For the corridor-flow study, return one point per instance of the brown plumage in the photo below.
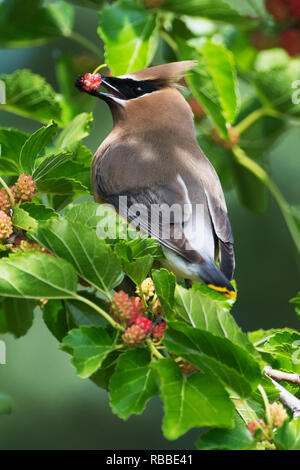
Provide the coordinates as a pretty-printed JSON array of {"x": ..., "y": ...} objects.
[{"x": 152, "y": 157}]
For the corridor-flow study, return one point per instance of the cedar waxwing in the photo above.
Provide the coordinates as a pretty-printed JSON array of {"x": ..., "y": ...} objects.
[{"x": 152, "y": 159}]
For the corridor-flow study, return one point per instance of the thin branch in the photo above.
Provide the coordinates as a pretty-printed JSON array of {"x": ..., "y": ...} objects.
[
  {"x": 101, "y": 311},
  {"x": 279, "y": 375},
  {"x": 266, "y": 403},
  {"x": 288, "y": 399}
]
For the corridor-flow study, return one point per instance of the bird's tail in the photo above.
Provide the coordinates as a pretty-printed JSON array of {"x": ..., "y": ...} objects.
[{"x": 215, "y": 279}]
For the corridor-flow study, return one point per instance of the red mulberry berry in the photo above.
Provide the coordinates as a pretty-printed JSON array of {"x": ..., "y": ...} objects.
[
  {"x": 5, "y": 202},
  {"x": 24, "y": 188},
  {"x": 91, "y": 81},
  {"x": 6, "y": 228},
  {"x": 121, "y": 307},
  {"x": 133, "y": 335},
  {"x": 144, "y": 323},
  {"x": 278, "y": 9},
  {"x": 159, "y": 330},
  {"x": 138, "y": 308},
  {"x": 253, "y": 427},
  {"x": 290, "y": 41}
]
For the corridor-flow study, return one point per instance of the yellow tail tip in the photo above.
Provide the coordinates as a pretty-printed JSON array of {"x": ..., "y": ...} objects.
[{"x": 230, "y": 294}]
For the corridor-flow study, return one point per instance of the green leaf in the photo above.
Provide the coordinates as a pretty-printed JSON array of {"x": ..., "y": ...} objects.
[
  {"x": 25, "y": 24},
  {"x": 221, "y": 67},
  {"x": 199, "y": 400},
  {"x": 38, "y": 211},
  {"x": 34, "y": 145},
  {"x": 287, "y": 437},
  {"x": 102, "y": 376},
  {"x": 132, "y": 383},
  {"x": 89, "y": 346},
  {"x": 16, "y": 316},
  {"x": 238, "y": 438},
  {"x": 86, "y": 213},
  {"x": 50, "y": 163},
  {"x": 92, "y": 258},
  {"x": 8, "y": 167},
  {"x": 29, "y": 95},
  {"x": 138, "y": 248},
  {"x": 37, "y": 275},
  {"x": 206, "y": 309},
  {"x": 130, "y": 36},
  {"x": 11, "y": 141},
  {"x": 75, "y": 131},
  {"x": 217, "y": 10},
  {"x": 88, "y": 3},
  {"x": 61, "y": 186},
  {"x": 54, "y": 315},
  {"x": 203, "y": 87},
  {"x": 165, "y": 283},
  {"x": 213, "y": 354},
  {"x": 296, "y": 302},
  {"x": 274, "y": 76},
  {"x": 5, "y": 404},
  {"x": 81, "y": 314},
  {"x": 284, "y": 346},
  {"x": 22, "y": 220},
  {"x": 139, "y": 269}
]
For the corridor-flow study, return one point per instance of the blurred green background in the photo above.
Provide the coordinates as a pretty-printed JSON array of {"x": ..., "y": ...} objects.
[{"x": 53, "y": 408}]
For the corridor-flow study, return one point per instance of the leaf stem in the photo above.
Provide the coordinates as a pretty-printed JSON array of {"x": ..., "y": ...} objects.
[
  {"x": 101, "y": 311},
  {"x": 250, "y": 119},
  {"x": 12, "y": 199},
  {"x": 153, "y": 349},
  {"x": 267, "y": 405},
  {"x": 169, "y": 40},
  {"x": 83, "y": 41},
  {"x": 263, "y": 176}
]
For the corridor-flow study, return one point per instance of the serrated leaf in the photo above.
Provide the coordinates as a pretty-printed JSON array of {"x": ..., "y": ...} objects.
[
  {"x": 29, "y": 95},
  {"x": 75, "y": 131},
  {"x": 287, "y": 437},
  {"x": 206, "y": 309},
  {"x": 139, "y": 269},
  {"x": 80, "y": 314},
  {"x": 284, "y": 347},
  {"x": 213, "y": 354},
  {"x": 129, "y": 35},
  {"x": 61, "y": 186},
  {"x": 132, "y": 383},
  {"x": 221, "y": 67},
  {"x": 37, "y": 275},
  {"x": 92, "y": 258},
  {"x": 102, "y": 376},
  {"x": 89, "y": 346},
  {"x": 165, "y": 283},
  {"x": 38, "y": 211},
  {"x": 49, "y": 164},
  {"x": 54, "y": 315},
  {"x": 34, "y": 145},
  {"x": 22, "y": 220},
  {"x": 238, "y": 438},
  {"x": 16, "y": 316},
  {"x": 188, "y": 401},
  {"x": 11, "y": 141},
  {"x": 202, "y": 85}
]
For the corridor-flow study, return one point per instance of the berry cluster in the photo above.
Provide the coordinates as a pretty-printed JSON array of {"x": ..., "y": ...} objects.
[
  {"x": 287, "y": 11},
  {"x": 277, "y": 414},
  {"x": 22, "y": 191},
  {"x": 131, "y": 313}
]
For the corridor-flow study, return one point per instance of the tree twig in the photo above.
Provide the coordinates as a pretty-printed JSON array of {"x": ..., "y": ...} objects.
[
  {"x": 287, "y": 398},
  {"x": 279, "y": 375}
]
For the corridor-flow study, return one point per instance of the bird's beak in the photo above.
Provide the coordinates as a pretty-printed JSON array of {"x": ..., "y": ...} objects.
[{"x": 114, "y": 87}]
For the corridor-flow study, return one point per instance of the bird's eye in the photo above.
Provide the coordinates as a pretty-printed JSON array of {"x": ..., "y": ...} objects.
[{"x": 139, "y": 88}]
